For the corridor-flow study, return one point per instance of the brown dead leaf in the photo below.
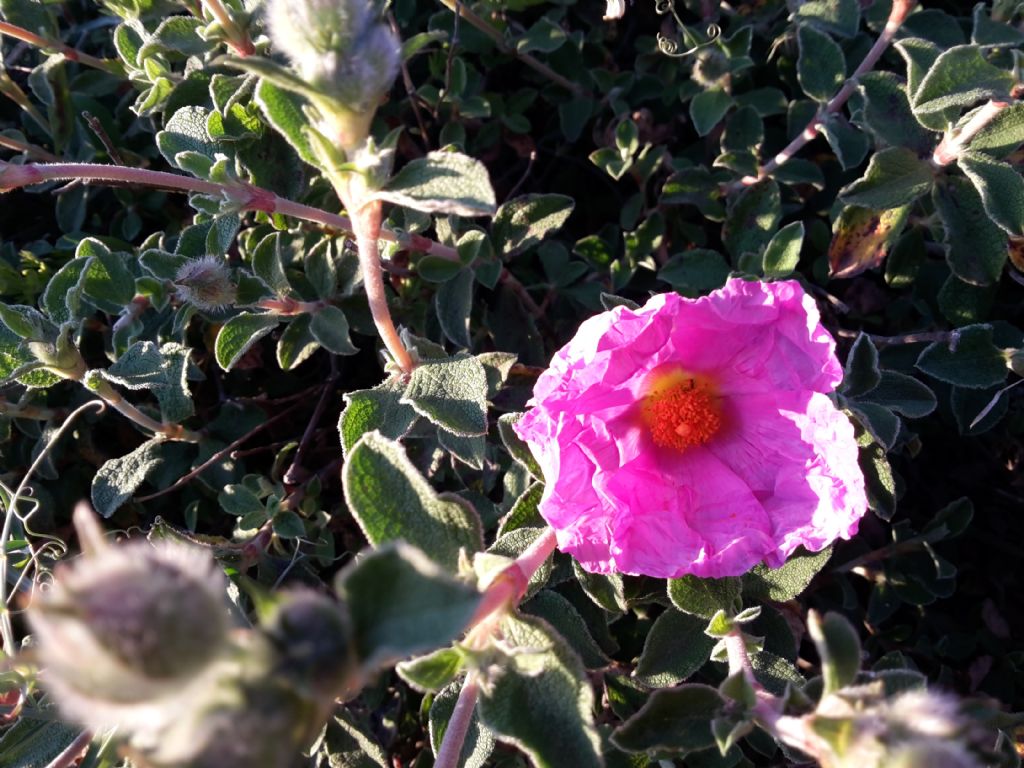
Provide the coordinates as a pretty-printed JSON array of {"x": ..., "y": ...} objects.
[{"x": 861, "y": 238}]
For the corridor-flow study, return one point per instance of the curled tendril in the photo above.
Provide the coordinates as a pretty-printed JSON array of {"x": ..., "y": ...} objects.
[{"x": 670, "y": 47}]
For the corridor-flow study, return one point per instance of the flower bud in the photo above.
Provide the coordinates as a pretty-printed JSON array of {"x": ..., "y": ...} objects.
[
  {"x": 126, "y": 627},
  {"x": 312, "y": 636},
  {"x": 344, "y": 50},
  {"x": 205, "y": 283}
]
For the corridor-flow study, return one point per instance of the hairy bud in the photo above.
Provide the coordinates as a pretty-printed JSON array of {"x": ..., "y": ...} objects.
[
  {"x": 344, "y": 50},
  {"x": 205, "y": 283},
  {"x": 125, "y": 632},
  {"x": 312, "y": 636}
]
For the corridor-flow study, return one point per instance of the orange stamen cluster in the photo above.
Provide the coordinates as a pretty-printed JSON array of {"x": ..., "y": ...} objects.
[{"x": 682, "y": 413}]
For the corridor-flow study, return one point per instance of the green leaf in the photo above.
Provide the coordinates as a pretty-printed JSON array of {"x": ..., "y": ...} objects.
[
  {"x": 433, "y": 671},
  {"x": 540, "y": 699},
  {"x": 391, "y": 500},
  {"x": 239, "y": 333},
  {"x": 838, "y": 647},
  {"x": 526, "y": 220},
  {"x": 887, "y": 113},
  {"x": 186, "y": 131},
  {"x": 284, "y": 111},
  {"x": 329, "y": 327},
  {"x": 959, "y": 78},
  {"x": 119, "y": 478},
  {"x": 705, "y": 597},
  {"x": 450, "y": 392},
  {"x": 1003, "y": 134},
  {"x": 850, "y": 144},
  {"x": 442, "y": 182},
  {"x": 296, "y": 344},
  {"x": 544, "y": 36},
  {"x": 177, "y": 34},
  {"x": 674, "y": 720},
  {"x": 708, "y": 108},
  {"x": 675, "y": 648},
  {"x": 516, "y": 446},
  {"x": 1001, "y": 189},
  {"x": 453, "y": 303},
  {"x": 969, "y": 359},
  {"x": 62, "y": 299},
  {"x": 775, "y": 673},
  {"x": 32, "y": 742},
  {"x": 895, "y": 177},
  {"x": 696, "y": 271},
  {"x": 605, "y": 590},
  {"x": 783, "y": 252},
  {"x": 786, "y": 582},
  {"x": 401, "y": 604},
  {"x": 267, "y": 265},
  {"x": 567, "y": 622},
  {"x": 377, "y": 409},
  {"x": 347, "y": 745},
  {"x": 27, "y": 322},
  {"x": 479, "y": 741},
  {"x": 861, "y": 373},
  {"x": 903, "y": 394},
  {"x": 752, "y": 219},
  {"x": 821, "y": 66},
  {"x": 840, "y": 17}
]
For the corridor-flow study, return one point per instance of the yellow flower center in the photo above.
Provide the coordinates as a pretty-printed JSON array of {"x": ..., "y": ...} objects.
[{"x": 681, "y": 411}]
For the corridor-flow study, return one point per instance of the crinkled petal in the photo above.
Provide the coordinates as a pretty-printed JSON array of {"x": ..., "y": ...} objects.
[{"x": 782, "y": 471}]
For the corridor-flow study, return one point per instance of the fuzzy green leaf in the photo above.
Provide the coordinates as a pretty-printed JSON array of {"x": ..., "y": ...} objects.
[
  {"x": 442, "y": 182},
  {"x": 391, "y": 500},
  {"x": 450, "y": 392},
  {"x": 239, "y": 333}
]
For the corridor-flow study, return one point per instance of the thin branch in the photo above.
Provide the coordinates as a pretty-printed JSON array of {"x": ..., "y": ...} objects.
[
  {"x": 461, "y": 10},
  {"x": 221, "y": 453},
  {"x": 458, "y": 724},
  {"x": 74, "y": 750},
  {"x": 510, "y": 585},
  {"x": 293, "y": 475},
  {"x": 951, "y": 146},
  {"x": 69, "y": 53},
  {"x": 900, "y": 10},
  {"x": 36, "y": 153},
  {"x": 249, "y": 197}
]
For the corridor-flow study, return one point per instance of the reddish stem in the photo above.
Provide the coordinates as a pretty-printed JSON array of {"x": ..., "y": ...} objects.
[
  {"x": 69, "y": 53},
  {"x": 900, "y": 10}
]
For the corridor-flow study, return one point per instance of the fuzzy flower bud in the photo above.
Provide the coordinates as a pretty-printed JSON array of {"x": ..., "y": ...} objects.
[
  {"x": 205, "y": 283},
  {"x": 340, "y": 47},
  {"x": 125, "y": 631},
  {"x": 312, "y": 635}
]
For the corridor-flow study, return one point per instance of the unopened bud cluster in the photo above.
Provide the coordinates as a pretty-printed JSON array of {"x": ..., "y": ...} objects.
[{"x": 138, "y": 637}]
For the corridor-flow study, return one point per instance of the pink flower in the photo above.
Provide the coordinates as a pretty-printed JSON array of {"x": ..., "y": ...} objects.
[{"x": 696, "y": 436}]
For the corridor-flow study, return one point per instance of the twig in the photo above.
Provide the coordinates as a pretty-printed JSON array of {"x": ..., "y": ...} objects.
[
  {"x": 37, "y": 153},
  {"x": 101, "y": 133},
  {"x": 74, "y": 751},
  {"x": 951, "y": 146},
  {"x": 221, "y": 454},
  {"x": 899, "y": 13},
  {"x": 458, "y": 724},
  {"x": 510, "y": 585},
  {"x": 461, "y": 10},
  {"x": 247, "y": 196},
  {"x": 292, "y": 474},
  {"x": 69, "y": 53},
  {"x": 952, "y": 337},
  {"x": 510, "y": 281},
  {"x": 410, "y": 89}
]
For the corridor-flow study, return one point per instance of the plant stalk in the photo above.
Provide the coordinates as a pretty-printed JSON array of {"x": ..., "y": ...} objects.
[
  {"x": 458, "y": 724},
  {"x": 69, "y": 53}
]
